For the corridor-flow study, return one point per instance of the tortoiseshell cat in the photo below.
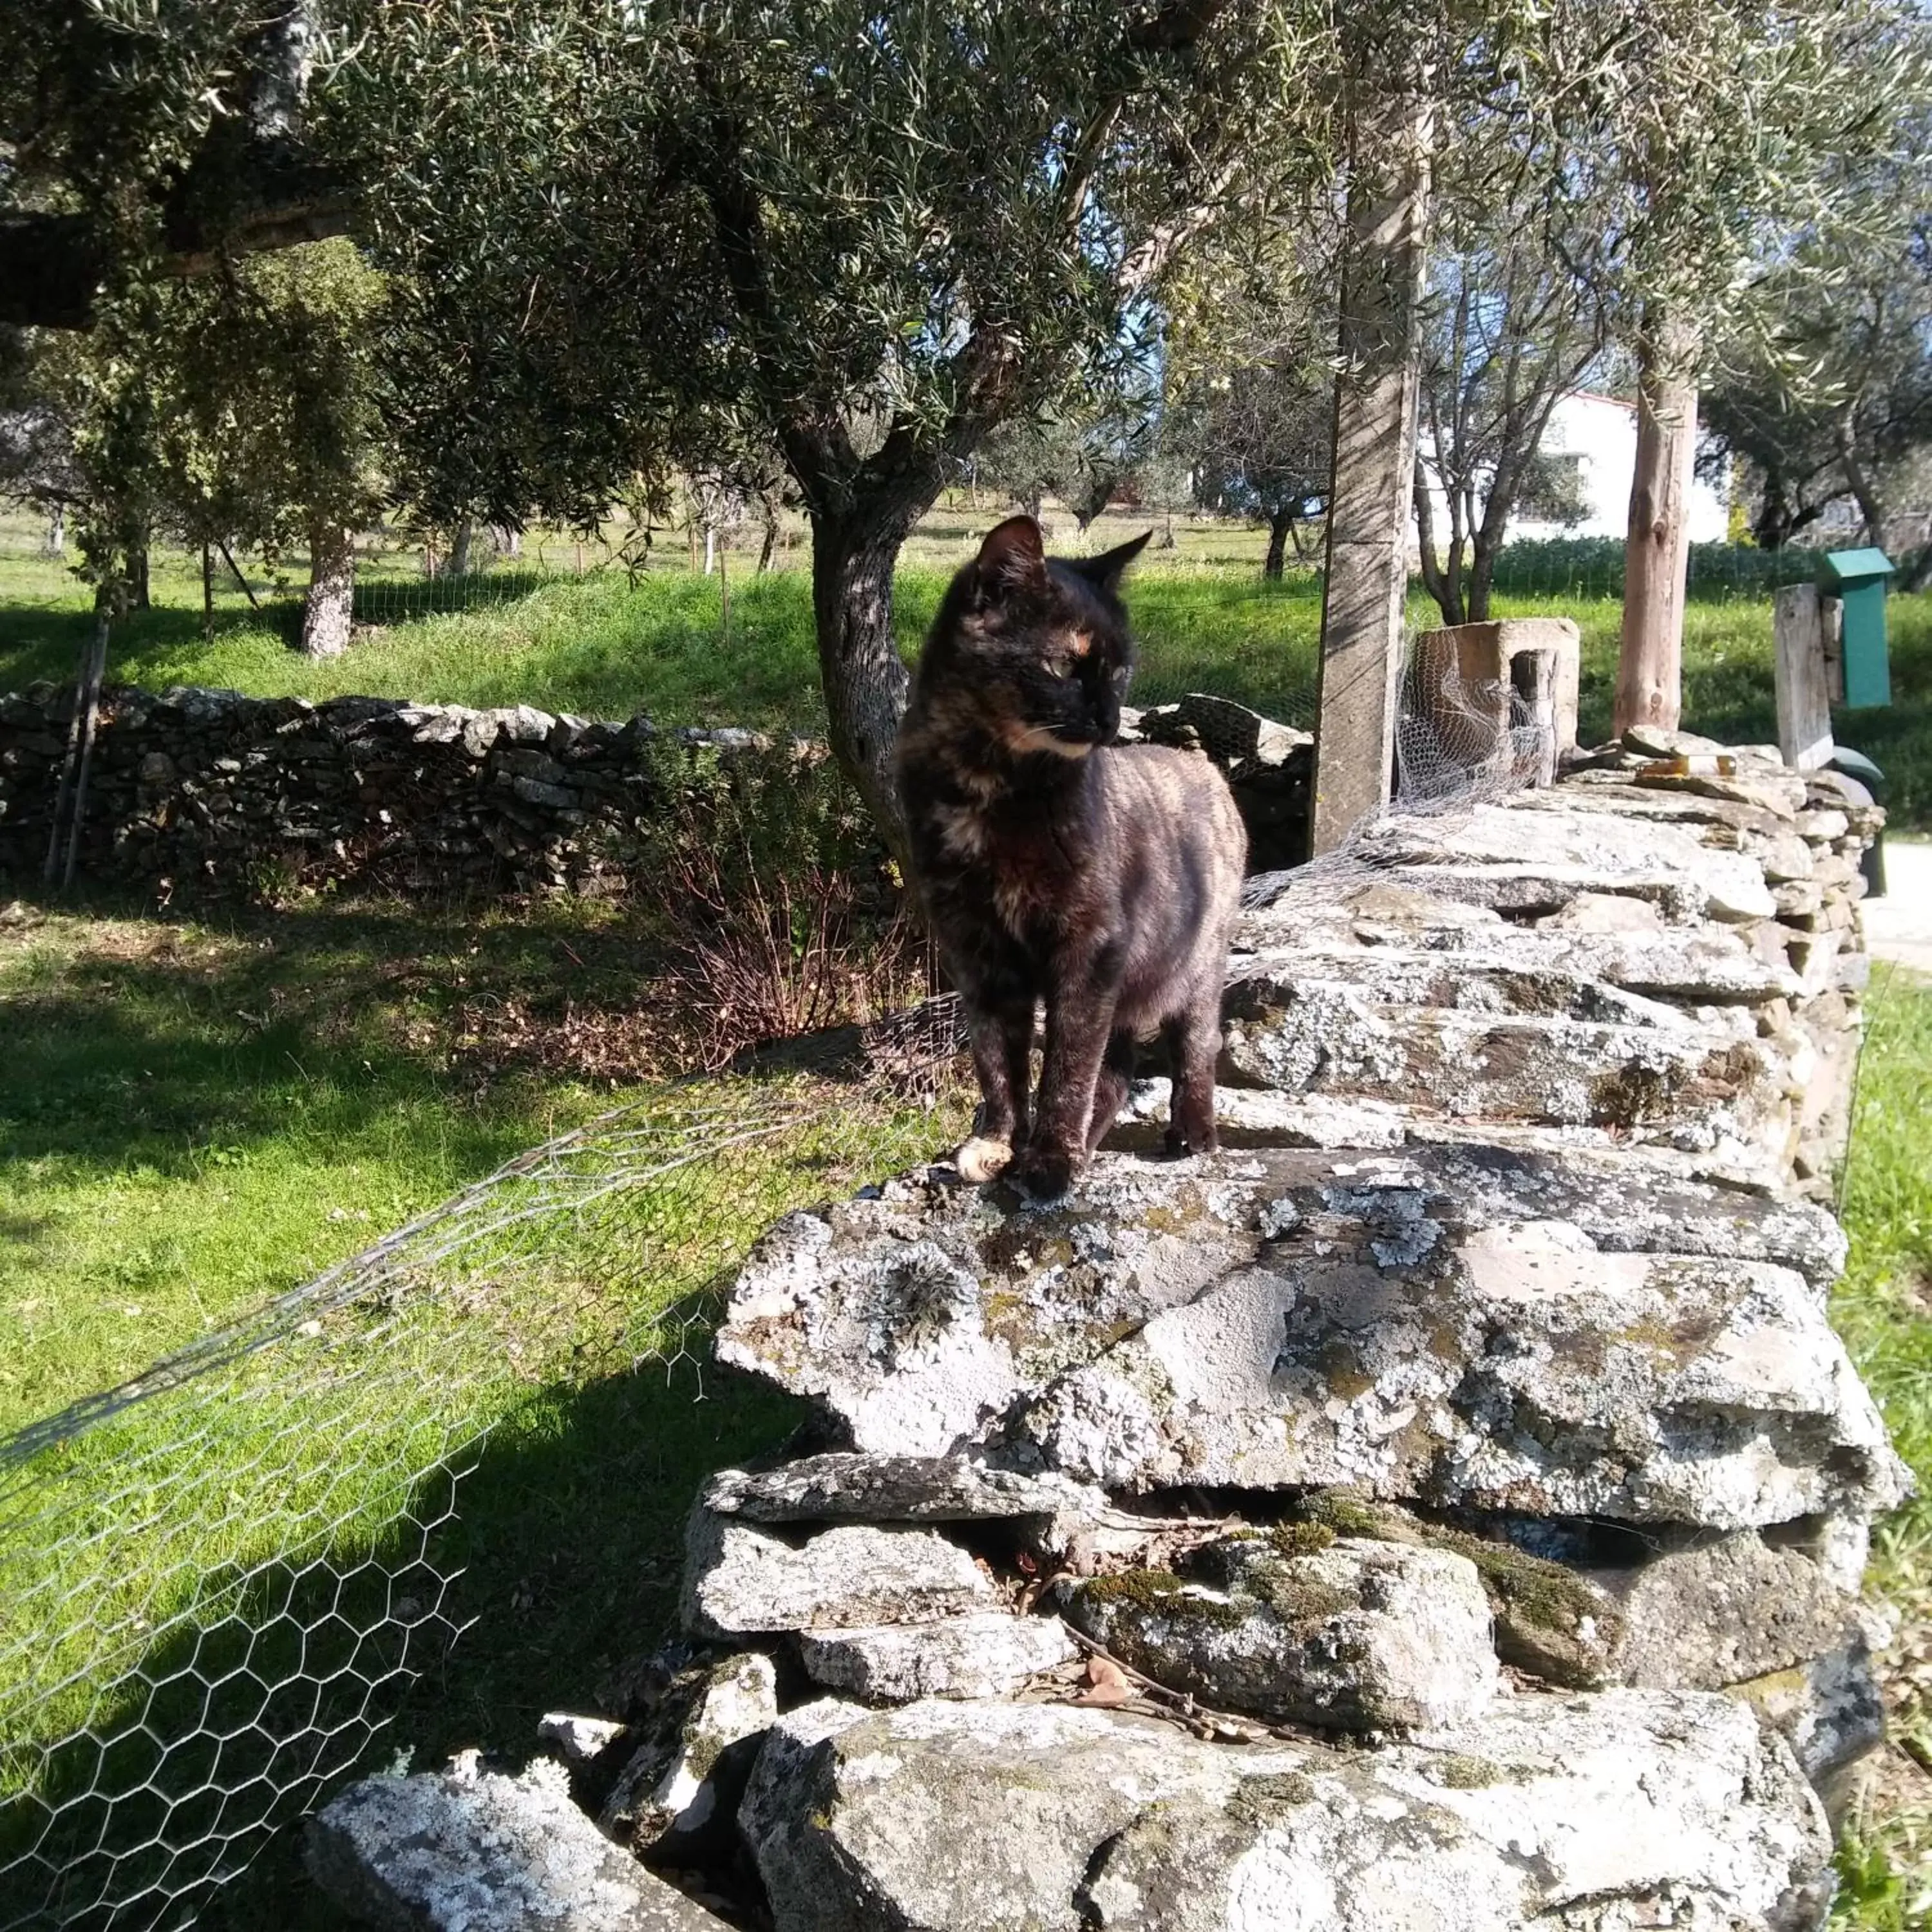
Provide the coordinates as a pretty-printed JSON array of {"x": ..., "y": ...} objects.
[{"x": 1058, "y": 868}]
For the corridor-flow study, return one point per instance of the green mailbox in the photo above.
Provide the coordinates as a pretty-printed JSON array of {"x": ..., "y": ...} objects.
[{"x": 1857, "y": 578}]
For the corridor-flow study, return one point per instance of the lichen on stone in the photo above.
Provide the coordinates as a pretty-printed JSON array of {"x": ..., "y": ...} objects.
[
  {"x": 1257, "y": 1801},
  {"x": 1462, "y": 1772}
]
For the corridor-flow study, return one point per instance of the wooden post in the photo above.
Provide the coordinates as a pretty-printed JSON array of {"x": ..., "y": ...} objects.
[
  {"x": 207, "y": 591},
  {"x": 71, "y": 800},
  {"x": 1532, "y": 676},
  {"x": 1804, "y": 698},
  {"x": 1367, "y": 576},
  {"x": 1657, "y": 552}
]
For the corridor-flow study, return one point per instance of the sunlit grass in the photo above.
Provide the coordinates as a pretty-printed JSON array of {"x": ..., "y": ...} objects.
[{"x": 1883, "y": 1308}]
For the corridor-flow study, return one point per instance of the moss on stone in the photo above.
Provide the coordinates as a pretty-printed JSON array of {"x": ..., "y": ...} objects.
[
  {"x": 1300, "y": 1601},
  {"x": 1526, "y": 1590},
  {"x": 1341, "y": 1369},
  {"x": 1161, "y": 1593},
  {"x": 1531, "y": 1588},
  {"x": 1462, "y": 1773},
  {"x": 1186, "y": 1210},
  {"x": 1345, "y": 1512},
  {"x": 1537, "y": 993},
  {"x": 1299, "y": 1539},
  {"x": 1629, "y": 1097}
]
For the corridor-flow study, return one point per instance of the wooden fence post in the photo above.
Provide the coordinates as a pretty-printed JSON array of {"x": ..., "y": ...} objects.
[
  {"x": 1804, "y": 697},
  {"x": 1367, "y": 576}
]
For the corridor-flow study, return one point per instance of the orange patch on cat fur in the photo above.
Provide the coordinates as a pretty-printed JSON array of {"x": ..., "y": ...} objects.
[{"x": 1017, "y": 735}]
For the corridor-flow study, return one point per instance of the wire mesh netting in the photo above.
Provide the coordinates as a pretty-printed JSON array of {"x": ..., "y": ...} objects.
[{"x": 221, "y": 1584}]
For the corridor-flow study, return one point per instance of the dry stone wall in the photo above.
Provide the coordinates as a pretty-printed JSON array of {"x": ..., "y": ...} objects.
[
  {"x": 208, "y": 791},
  {"x": 213, "y": 792},
  {"x": 1445, "y": 1506}
]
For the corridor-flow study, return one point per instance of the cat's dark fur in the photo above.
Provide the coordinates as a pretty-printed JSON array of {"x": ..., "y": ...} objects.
[{"x": 1059, "y": 868}]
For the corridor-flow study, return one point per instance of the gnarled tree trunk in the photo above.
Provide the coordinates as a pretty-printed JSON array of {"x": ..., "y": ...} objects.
[
  {"x": 1280, "y": 525},
  {"x": 865, "y": 678},
  {"x": 328, "y": 611}
]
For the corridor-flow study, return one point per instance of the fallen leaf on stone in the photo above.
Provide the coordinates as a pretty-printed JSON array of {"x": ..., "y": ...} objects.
[{"x": 1107, "y": 1684}]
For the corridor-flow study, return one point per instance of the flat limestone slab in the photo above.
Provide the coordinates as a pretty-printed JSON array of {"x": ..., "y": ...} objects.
[
  {"x": 1694, "y": 1087},
  {"x": 1731, "y": 885},
  {"x": 1705, "y": 965},
  {"x": 1517, "y": 1369},
  {"x": 739, "y": 1580},
  {"x": 1461, "y": 1325},
  {"x": 1598, "y": 1814},
  {"x": 1610, "y": 978},
  {"x": 848, "y": 1487},
  {"x": 989, "y": 1654}
]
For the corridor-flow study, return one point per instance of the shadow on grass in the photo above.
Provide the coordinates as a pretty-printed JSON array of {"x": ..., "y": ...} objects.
[
  {"x": 181, "y": 1039},
  {"x": 518, "y": 1579}
]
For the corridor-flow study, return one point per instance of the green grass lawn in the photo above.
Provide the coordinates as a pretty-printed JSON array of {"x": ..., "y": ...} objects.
[{"x": 197, "y": 1113}]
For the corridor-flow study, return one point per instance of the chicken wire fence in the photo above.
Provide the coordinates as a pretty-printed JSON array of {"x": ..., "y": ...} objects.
[{"x": 220, "y": 1583}]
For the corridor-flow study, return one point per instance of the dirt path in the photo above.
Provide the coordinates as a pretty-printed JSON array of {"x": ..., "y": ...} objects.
[{"x": 1898, "y": 927}]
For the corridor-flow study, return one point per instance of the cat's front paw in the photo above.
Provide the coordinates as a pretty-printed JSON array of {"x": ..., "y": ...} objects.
[
  {"x": 1044, "y": 1172},
  {"x": 981, "y": 1160}
]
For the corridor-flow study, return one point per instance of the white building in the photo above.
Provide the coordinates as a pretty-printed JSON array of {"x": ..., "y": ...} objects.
[{"x": 1598, "y": 434}]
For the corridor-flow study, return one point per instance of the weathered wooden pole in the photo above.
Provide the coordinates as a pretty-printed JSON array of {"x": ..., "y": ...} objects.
[
  {"x": 1804, "y": 691},
  {"x": 1657, "y": 549},
  {"x": 1390, "y": 131}
]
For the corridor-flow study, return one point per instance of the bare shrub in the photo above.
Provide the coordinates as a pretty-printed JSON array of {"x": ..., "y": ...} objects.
[{"x": 783, "y": 915}]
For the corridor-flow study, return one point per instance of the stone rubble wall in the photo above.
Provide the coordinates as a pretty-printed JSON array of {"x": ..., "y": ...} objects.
[
  {"x": 1447, "y": 1505},
  {"x": 216, "y": 792},
  {"x": 1632, "y": 957}
]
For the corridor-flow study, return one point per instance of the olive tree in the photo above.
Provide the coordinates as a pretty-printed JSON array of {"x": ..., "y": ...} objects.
[
  {"x": 1261, "y": 430},
  {"x": 1510, "y": 328},
  {"x": 1699, "y": 140},
  {"x": 146, "y": 138},
  {"x": 238, "y": 411},
  {"x": 1829, "y": 394},
  {"x": 873, "y": 234}
]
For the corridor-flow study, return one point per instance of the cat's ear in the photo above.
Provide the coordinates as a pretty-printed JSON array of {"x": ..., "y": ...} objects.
[
  {"x": 1106, "y": 569},
  {"x": 1013, "y": 553}
]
